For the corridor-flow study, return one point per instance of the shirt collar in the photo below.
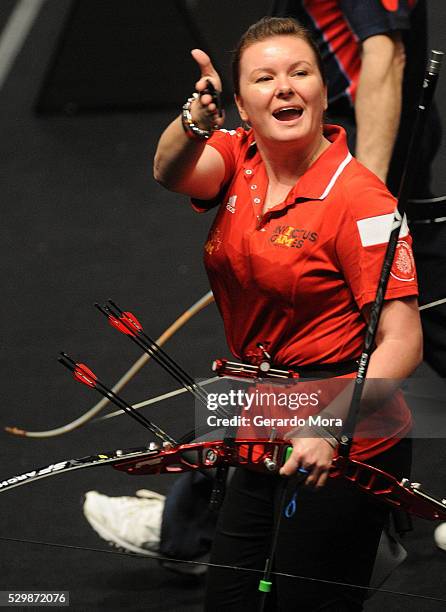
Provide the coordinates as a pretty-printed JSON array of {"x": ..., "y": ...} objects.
[{"x": 322, "y": 175}]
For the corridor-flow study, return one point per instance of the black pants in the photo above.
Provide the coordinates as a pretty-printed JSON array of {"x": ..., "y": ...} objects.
[{"x": 332, "y": 536}]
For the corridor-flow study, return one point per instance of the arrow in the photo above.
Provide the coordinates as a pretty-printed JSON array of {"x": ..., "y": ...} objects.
[
  {"x": 84, "y": 375},
  {"x": 128, "y": 324}
]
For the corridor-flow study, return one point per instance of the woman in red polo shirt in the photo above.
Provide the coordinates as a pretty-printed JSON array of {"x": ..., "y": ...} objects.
[{"x": 293, "y": 258}]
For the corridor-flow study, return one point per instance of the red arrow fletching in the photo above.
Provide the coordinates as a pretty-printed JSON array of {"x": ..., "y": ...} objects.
[
  {"x": 84, "y": 375},
  {"x": 130, "y": 321}
]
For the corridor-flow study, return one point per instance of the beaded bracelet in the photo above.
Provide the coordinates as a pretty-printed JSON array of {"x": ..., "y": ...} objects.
[{"x": 192, "y": 130}]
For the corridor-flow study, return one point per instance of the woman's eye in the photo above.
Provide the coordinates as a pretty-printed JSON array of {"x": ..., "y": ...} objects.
[
  {"x": 265, "y": 77},
  {"x": 300, "y": 73}
]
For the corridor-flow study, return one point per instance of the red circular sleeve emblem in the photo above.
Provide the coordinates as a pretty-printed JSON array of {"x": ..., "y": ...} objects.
[{"x": 403, "y": 267}]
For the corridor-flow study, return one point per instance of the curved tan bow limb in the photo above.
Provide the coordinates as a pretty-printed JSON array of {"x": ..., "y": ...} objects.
[
  {"x": 207, "y": 299},
  {"x": 432, "y": 304}
]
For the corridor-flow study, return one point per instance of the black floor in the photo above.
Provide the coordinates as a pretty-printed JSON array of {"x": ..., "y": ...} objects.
[{"x": 84, "y": 221}]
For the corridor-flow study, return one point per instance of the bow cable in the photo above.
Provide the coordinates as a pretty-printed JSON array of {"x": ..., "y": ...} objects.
[{"x": 220, "y": 565}]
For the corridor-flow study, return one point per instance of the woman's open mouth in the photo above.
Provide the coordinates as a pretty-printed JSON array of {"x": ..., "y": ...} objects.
[{"x": 288, "y": 113}]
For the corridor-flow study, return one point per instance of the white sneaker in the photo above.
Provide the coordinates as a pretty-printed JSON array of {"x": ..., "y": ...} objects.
[
  {"x": 129, "y": 523},
  {"x": 440, "y": 536}
]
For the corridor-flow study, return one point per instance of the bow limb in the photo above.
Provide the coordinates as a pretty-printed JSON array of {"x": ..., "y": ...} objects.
[
  {"x": 402, "y": 495},
  {"x": 193, "y": 310},
  {"x": 432, "y": 304},
  {"x": 152, "y": 459},
  {"x": 259, "y": 455}
]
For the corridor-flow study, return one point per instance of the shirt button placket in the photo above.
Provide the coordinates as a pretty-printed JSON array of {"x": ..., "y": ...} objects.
[
  {"x": 256, "y": 200},
  {"x": 249, "y": 173}
]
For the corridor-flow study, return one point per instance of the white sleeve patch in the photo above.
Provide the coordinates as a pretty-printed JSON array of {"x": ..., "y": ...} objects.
[
  {"x": 376, "y": 230},
  {"x": 230, "y": 132}
]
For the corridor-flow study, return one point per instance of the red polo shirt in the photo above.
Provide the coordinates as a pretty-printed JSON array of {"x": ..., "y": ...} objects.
[{"x": 297, "y": 277}]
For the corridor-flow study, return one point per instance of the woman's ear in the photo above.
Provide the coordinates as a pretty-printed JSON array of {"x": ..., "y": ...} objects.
[
  {"x": 241, "y": 111},
  {"x": 325, "y": 98}
]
